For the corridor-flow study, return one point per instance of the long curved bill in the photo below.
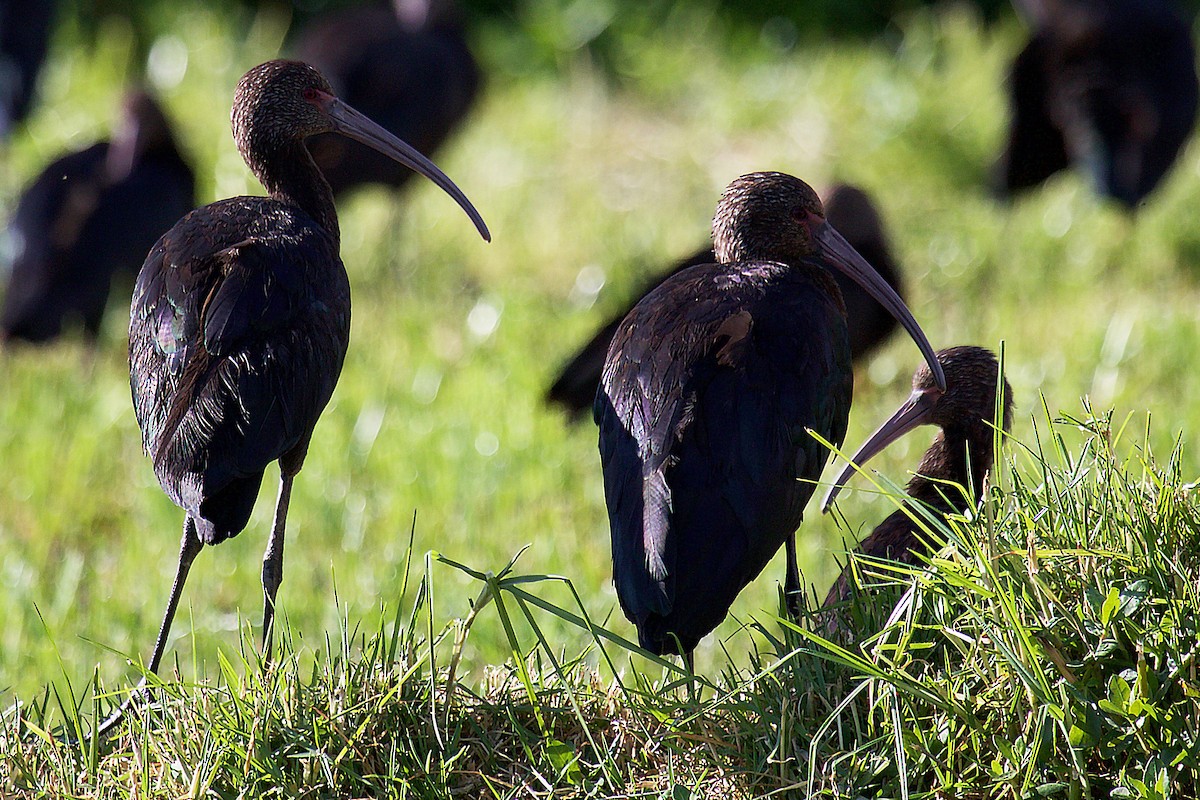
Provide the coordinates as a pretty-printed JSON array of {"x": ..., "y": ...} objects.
[
  {"x": 916, "y": 411},
  {"x": 361, "y": 128},
  {"x": 847, "y": 259}
]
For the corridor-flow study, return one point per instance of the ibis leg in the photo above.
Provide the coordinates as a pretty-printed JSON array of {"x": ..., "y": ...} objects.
[
  {"x": 791, "y": 582},
  {"x": 272, "y": 570},
  {"x": 189, "y": 546}
]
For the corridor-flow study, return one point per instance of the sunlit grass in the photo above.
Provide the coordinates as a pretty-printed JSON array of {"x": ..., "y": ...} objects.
[{"x": 1047, "y": 649}]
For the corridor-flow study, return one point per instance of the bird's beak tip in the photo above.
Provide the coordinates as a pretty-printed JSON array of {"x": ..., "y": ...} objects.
[{"x": 831, "y": 495}]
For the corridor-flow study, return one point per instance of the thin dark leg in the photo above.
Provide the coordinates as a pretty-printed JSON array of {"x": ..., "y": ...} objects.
[
  {"x": 791, "y": 582},
  {"x": 272, "y": 570},
  {"x": 189, "y": 546}
]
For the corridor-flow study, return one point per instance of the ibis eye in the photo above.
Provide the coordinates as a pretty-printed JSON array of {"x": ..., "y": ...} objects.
[
  {"x": 310, "y": 94},
  {"x": 805, "y": 216}
]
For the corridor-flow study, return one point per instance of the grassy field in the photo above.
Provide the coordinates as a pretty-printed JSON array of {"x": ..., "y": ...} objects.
[{"x": 579, "y": 171}]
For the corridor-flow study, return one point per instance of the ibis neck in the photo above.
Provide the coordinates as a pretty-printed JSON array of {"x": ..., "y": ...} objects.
[
  {"x": 954, "y": 457},
  {"x": 291, "y": 176}
]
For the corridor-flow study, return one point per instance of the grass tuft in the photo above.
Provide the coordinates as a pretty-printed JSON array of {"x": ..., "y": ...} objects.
[{"x": 1047, "y": 648}]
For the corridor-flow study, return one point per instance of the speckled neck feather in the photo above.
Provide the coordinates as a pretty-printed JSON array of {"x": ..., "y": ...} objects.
[
  {"x": 963, "y": 450},
  {"x": 269, "y": 127}
]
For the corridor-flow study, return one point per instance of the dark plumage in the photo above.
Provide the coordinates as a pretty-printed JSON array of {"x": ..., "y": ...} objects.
[
  {"x": 851, "y": 212},
  {"x": 89, "y": 217},
  {"x": 408, "y": 68},
  {"x": 1107, "y": 85},
  {"x": 25, "y": 27},
  {"x": 241, "y": 318},
  {"x": 710, "y": 387},
  {"x": 962, "y": 453}
]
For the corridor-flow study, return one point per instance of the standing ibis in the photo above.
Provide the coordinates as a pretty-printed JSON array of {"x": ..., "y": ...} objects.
[
  {"x": 407, "y": 67},
  {"x": 241, "y": 318},
  {"x": 90, "y": 217},
  {"x": 711, "y": 387},
  {"x": 951, "y": 473},
  {"x": 1107, "y": 85},
  {"x": 851, "y": 212}
]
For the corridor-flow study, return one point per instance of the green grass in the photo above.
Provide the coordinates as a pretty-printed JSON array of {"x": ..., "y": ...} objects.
[
  {"x": 1048, "y": 649},
  {"x": 617, "y": 170}
]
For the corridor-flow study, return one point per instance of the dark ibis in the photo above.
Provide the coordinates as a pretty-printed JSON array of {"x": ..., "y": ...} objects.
[
  {"x": 711, "y": 387},
  {"x": 408, "y": 67},
  {"x": 850, "y": 211},
  {"x": 1106, "y": 85},
  {"x": 89, "y": 218},
  {"x": 241, "y": 318},
  {"x": 951, "y": 473},
  {"x": 25, "y": 27}
]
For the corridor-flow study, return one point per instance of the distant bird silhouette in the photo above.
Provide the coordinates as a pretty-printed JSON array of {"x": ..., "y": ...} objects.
[
  {"x": 851, "y": 212},
  {"x": 25, "y": 27},
  {"x": 240, "y": 322},
  {"x": 1107, "y": 85},
  {"x": 711, "y": 386},
  {"x": 408, "y": 67},
  {"x": 89, "y": 217},
  {"x": 962, "y": 453}
]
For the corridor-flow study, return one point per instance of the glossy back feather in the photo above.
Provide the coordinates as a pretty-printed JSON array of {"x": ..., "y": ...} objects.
[
  {"x": 715, "y": 417},
  {"x": 238, "y": 332}
]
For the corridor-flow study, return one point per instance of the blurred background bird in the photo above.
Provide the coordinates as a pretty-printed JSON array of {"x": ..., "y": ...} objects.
[
  {"x": 1108, "y": 86},
  {"x": 407, "y": 66},
  {"x": 25, "y": 27},
  {"x": 88, "y": 219}
]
